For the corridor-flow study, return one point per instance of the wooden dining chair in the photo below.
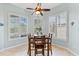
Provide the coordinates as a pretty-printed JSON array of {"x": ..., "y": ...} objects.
[
  {"x": 39, "y": 44},
  {"x": 30, "y": 44},
  {"x": 28, "y": 52},
  {"x": 50, "y": 43}
]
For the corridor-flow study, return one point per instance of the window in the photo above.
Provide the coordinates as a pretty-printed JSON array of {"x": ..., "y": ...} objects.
[{"x": 17, "y": 26}]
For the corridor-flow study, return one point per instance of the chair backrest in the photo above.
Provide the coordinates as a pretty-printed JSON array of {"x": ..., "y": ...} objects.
[
  {"x": 50, "y": 35},
  {"x": 39, "y": 40}
]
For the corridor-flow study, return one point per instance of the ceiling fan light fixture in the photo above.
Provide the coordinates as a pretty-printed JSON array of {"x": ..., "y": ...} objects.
[
  {"x": 37, "y": 12},
  {"x": 38, "y": 9}
]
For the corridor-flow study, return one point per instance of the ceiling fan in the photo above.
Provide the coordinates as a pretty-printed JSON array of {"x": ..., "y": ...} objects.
[{"x": 38, "y": 9}]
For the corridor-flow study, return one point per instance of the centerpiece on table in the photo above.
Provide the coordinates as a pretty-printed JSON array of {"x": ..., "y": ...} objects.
[{"x": 38, "y": 31}]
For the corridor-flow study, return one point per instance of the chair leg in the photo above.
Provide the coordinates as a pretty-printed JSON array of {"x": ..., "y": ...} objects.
[
  {"x": 35, "y": 51},
  {"x": 43, "y": 51},
  {"x": 51, "y": 50}
]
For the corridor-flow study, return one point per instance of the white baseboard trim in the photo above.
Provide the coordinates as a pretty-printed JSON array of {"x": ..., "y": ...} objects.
[
  {"x": 12, "y": 47},
  {"x": 75, "y": 54}
]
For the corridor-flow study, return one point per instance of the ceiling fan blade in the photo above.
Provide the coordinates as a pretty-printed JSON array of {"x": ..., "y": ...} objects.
[
  {"x": 30, "y": 8},
  {"x": 32, "y": 13},
  {"x": 41, "y": 13},
  {"x": 45, "y": 9}
]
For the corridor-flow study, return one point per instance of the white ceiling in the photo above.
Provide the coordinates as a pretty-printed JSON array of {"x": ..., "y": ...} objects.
[{"x": 32, "y": 5}]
